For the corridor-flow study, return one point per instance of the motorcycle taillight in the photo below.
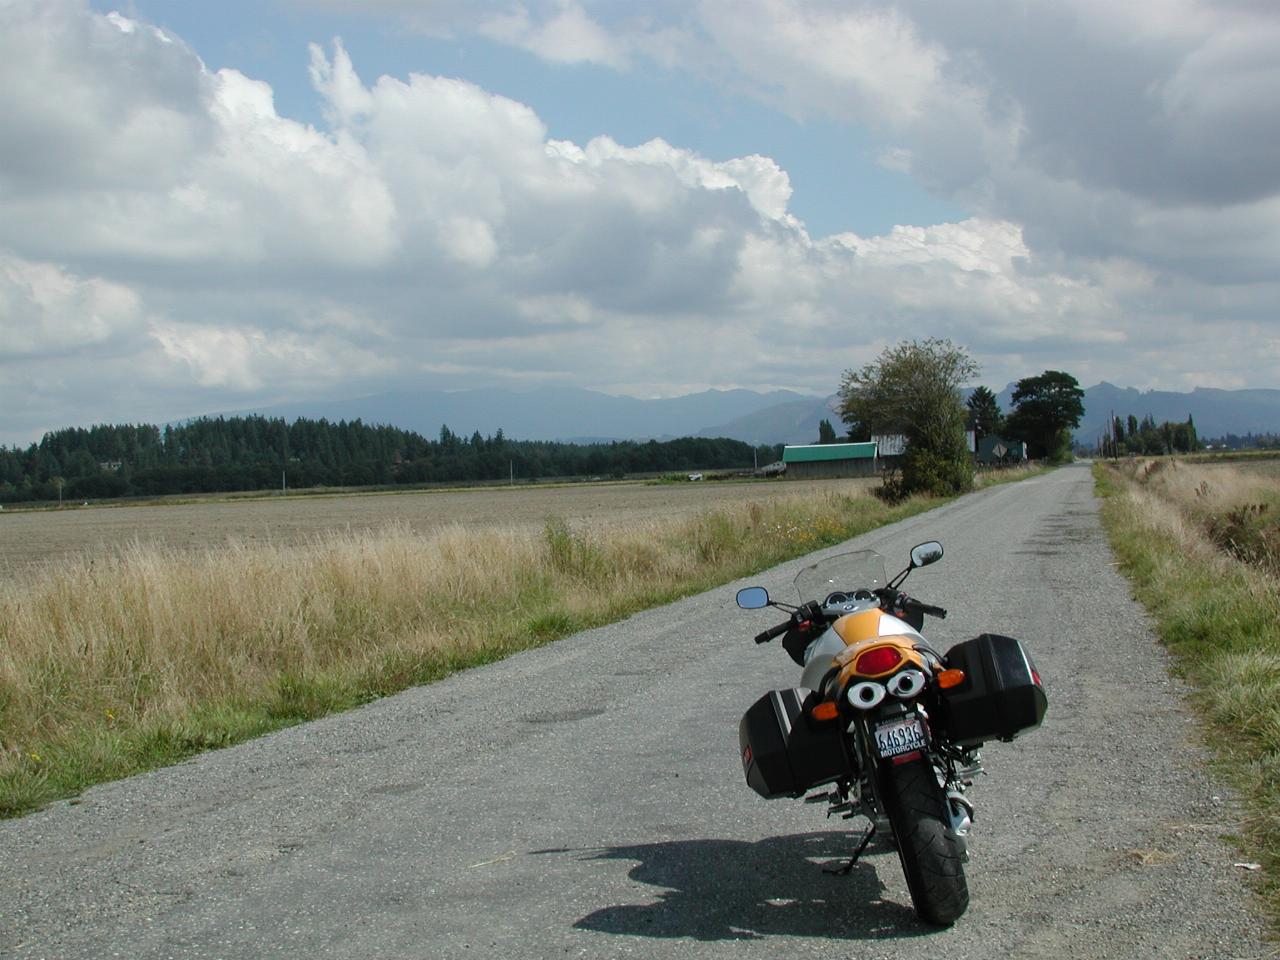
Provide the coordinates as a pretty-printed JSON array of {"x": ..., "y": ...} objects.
[{"x": 877, "y": 661}]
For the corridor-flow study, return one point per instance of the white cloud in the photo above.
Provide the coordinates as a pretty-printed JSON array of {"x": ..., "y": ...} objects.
[
  {"x": 864, "y": 61},
  {"x": 245, "y": 360},
  {"x": 567, "y": 36},
  {"x": 204, "y": 252},
  {"x": 1095, "y": 125},
  {"x": 46, "y": 311}
]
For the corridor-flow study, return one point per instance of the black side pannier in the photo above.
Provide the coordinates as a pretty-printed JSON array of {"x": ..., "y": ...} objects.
[
  {"x": 1001, "y": 695},
  {"x": 784, "y": 752}
]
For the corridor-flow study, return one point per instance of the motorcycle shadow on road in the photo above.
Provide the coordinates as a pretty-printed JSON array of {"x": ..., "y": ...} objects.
[{"x": 740, "y": 890}]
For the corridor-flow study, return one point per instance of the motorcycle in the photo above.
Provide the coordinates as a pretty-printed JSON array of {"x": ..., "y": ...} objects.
[{"x": 890, "y": 728}]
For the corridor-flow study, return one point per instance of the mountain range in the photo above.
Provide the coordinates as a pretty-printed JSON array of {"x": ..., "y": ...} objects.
[
  {"x": 567, "y": 414},
  {"x": 780, "y": 416},
  {"x": 1216, "y": 412}
]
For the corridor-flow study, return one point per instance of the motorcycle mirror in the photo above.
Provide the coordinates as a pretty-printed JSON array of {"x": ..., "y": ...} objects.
[
  {"x": 753, "y": 598},
  {"x": 923, "y": 554}
]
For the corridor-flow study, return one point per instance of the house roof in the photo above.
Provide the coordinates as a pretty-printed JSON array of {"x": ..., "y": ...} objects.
[{"x": 819, "y": 452}]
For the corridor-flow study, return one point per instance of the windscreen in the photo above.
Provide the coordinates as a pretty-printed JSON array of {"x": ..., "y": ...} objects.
[{"x": 845, "y": 572}]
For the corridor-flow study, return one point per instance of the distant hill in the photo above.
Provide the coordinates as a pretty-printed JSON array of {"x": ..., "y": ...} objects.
[
  {"x": 795, "y": 421},
  {"x": 1216, "y": 412},
  {"x": 547, "y": 413},
  {"x": 781, "y": 416}
]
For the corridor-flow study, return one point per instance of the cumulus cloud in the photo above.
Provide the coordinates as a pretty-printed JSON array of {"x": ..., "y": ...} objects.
[
  {"x": 1132, "y": 148},
  {"x": 204, "y": 252},
  {"x": 1135, "y": 130},
  {"x": 46, "y": 311},
  {"x": 1098, "y": 126},
  {"x": 94, "y": 102}
]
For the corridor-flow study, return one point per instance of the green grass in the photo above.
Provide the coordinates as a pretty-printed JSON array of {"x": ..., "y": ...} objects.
[{"x": 1220, "y": 618}]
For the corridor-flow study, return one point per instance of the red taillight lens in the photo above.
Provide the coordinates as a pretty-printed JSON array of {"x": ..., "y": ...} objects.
[{"x": 877, "y": 660}]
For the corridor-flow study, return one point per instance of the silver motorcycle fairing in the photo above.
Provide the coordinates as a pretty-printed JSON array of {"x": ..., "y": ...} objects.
[{"x": 824, "y": 648}]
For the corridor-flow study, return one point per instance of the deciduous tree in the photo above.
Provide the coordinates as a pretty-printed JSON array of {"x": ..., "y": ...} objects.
[
  {"x": 912, "y": 390},
  {"x": 1046, "y": 409}
]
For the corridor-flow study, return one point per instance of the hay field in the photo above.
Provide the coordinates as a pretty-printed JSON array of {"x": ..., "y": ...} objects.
[
  {"x": 31, "y": 537},
  {"x": 141, "y": 635}
]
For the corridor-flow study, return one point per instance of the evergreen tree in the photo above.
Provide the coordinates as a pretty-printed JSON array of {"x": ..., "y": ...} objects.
[
  {"x": 984, "y": 411},
  {"x": 241, "y": 453}
]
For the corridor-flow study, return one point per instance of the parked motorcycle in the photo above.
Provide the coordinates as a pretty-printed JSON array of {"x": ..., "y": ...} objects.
[{"x": 888, "y": 726}]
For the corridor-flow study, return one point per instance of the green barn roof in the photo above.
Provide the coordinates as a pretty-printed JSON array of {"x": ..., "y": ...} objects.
[{"x": 818, "y": 452}]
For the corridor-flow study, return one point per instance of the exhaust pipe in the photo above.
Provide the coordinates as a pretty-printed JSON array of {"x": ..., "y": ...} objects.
[
  {"x": 961, "y": 812},
  {"x": 907, "y": 684},
  {"x": 865, "y": 695}
]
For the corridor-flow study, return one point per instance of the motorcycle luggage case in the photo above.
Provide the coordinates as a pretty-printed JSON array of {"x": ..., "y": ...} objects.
[
  {"x": 1001, "y": 695},
  {"x": 783, "y": 751}
]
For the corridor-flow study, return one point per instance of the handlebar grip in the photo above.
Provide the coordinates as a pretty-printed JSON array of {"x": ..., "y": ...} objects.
[
  {"x": 772, "y": 632},
  {"x": 925, "y": 608}
]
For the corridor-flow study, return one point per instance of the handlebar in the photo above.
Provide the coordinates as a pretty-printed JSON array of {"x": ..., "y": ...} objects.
[
  {"x": 772, "y": 632},
  {"x": 907, "y": 603},
  {"x": 924, "y": 608}
]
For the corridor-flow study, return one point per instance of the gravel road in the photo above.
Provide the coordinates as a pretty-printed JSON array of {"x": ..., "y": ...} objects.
[{"x": 586, "y": 800}]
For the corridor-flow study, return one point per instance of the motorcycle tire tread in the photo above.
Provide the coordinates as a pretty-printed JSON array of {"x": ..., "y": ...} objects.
[{"x": 932, "y": 857}]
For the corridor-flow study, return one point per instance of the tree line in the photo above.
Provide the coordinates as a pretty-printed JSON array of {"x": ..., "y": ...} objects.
[
  {"x": 1250, "y": 441},
  {"x": 222, "y": 454},
  {"x": 1131, "y": 436}
]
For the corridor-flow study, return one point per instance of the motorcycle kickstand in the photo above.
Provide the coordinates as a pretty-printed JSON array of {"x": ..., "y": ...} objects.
[{"x": 848, "y": 867}]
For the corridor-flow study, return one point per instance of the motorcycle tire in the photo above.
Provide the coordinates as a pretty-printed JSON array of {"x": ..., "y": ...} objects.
[{"x": 932, "y": 855}]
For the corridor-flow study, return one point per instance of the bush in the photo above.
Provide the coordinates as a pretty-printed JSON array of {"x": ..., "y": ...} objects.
[{"x": 935, "y": 474}]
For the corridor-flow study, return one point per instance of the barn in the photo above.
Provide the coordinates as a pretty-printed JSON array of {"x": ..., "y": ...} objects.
[{"x": 822, "y": 460}]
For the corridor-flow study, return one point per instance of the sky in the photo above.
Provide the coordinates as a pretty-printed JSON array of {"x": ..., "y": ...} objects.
[{"x": 217, "y": 206}]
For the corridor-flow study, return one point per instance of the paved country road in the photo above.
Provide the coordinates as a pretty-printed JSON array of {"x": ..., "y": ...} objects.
[{"x": 586, "y": 800}]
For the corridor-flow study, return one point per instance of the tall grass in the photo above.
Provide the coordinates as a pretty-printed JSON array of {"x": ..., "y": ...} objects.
[
  {"x": 113, "y": 665},
  {"x": 1217, "y": 608}
]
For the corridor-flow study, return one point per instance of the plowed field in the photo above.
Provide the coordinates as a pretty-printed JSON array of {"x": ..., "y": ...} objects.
[{"x": 32, "y": 537}]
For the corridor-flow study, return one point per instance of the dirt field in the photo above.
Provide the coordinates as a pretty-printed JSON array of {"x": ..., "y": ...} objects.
[{"x": 33, "y": 537}]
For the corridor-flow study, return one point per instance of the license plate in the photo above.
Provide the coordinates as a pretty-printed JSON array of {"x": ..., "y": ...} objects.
[{"x": 899, "y": 737}]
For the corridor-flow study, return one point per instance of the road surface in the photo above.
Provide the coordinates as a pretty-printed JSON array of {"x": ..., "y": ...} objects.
[{"x": 586, "y": 800}]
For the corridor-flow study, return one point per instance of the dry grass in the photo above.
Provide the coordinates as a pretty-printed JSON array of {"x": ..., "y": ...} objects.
[
  {"x": 119, "y": 663},
  {"x": 1206, "y": 567},
  {"x": 1201, "y": 489}
]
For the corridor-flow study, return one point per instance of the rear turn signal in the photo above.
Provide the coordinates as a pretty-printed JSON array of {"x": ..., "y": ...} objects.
[
  {"x": 825, "y": 711},
  {"x": 950, "y": 678}
]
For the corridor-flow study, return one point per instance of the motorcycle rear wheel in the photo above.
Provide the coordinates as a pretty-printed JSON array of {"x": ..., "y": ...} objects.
[{"x": 932, "y": 855}]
